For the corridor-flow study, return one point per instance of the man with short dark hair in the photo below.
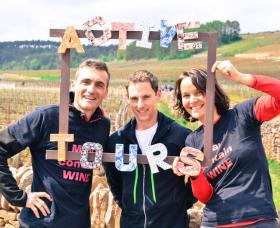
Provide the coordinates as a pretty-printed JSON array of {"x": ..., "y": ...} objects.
[
  {"x": 60, "y": 190},
  {"x": 146, "y": 199}
]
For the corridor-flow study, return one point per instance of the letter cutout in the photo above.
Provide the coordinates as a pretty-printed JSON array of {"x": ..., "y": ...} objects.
[
  {"x": 192, "y": 157},
  {"x": 166, "y": 37},
  {"x": 181, "y": 36},
  {"x": 91, "y": 147},
  {"x": 106, "y": 31},
  {"x": 157, "y": 160},
  {"x": 123, "y": 28},
  {"x": 70, "y": 39},
  {"x": 145, "y": 36},
  {"x": 119, "y": 163}
]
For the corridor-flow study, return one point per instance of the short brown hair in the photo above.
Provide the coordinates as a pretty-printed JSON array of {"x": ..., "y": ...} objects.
[
  {"x": 96, "y": 64},
  {"x": 143, "y": 76}
]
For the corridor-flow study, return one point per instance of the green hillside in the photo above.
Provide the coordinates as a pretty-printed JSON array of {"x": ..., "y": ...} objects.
[
  {"x": 253, "y": 43},
  {"x": 255, "y": 53}
]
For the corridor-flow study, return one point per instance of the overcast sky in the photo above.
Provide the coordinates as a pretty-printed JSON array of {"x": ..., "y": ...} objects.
[{"x": 32, "y": 19}]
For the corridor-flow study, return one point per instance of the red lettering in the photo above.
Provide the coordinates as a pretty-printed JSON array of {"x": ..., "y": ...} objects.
[
  {"x": 67, "y": 174},
  {"x": 220, "y": 168},
  {"x": 69, "y": 163},
  {"x": 228, "y": 162},
  {"x": 76, "y": 148},
  {"x": 77, "y": 164},
  {"x": 84, "y": 177},
  {"x": 223, "y": 166},
  {"x": 77, "y": 176},
  {"x": 62, "y": 163},
  {"x": 212, "y": 174}
]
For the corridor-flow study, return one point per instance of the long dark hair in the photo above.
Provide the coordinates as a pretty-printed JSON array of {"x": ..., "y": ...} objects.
[{"x": 199, "y": 78}]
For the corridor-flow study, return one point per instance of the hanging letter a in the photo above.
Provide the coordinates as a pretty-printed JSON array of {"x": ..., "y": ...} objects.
[{"x": 70, "y": 40}]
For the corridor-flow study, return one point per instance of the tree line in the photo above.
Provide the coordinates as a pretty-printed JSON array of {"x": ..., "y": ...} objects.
[{"x": 39, "y": 54}]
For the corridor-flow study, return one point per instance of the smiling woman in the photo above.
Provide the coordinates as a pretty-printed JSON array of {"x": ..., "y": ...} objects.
[
  {"x": 240, "y": 191},
  {"x": 190, "y": 91},
  {"x": 194, "y": 101}
]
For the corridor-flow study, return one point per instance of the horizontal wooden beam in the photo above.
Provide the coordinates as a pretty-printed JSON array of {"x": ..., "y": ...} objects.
[
  {"x": 106, "y": 157},
  {"x": 131, "y": 35}
]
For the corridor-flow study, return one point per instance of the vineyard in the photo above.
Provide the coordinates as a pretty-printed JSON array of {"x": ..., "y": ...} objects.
[{"x": 16, "y": 102}]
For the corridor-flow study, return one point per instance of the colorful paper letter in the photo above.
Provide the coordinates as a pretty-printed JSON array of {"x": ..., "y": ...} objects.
[
  {"x": 192, "y": 157},
  {"x": 91, "y": 147},
  {"x": 123, "y": 28},
  {"x": 106, "y": 31},
  {"x": 144, "y": 42},
  {"x": 189, "y": 46},
  {"x": 119, "y": 163},
  {"x": 182, "y": 36},
  {"x": 70, "y": 40},
  {"x": 157, "y": 160},
  {"x": 166, "y": 37}
]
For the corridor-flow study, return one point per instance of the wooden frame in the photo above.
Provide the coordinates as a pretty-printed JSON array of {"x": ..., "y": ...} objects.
[{"x": 210, "y": 38}]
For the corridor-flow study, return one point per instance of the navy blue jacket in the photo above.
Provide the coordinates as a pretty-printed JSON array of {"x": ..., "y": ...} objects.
[
  {"x": 68, "y": 184},
  {"x": 157, "y": 200},
  {"x": 239, "y": 170}
]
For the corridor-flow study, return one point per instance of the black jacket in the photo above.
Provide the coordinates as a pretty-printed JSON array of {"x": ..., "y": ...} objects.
[
  {"x": 66, "y": 182},
  {"x": 157, "y": 200}
]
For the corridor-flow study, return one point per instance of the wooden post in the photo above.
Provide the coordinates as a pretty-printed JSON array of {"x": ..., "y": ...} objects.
[
  {"x": 62, "y": 138},
  {"x": 210, "y": 95}
]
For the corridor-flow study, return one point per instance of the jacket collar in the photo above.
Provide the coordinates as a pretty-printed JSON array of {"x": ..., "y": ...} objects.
[{"x": 164, "y": 124}]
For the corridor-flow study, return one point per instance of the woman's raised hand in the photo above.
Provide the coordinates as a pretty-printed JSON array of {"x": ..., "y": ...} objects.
[{"x": 229, "y": 71}]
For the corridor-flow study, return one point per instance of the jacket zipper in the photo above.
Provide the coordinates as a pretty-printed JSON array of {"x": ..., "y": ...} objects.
[{"x": 144, "y": 208}]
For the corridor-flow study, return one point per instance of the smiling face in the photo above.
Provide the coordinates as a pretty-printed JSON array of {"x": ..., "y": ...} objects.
[
  {"x": 90, "y": 89},
  {"x": 193, "y": 100},
  {"x": 190, "y": 93},
  {"x": 143, "y": 102}
]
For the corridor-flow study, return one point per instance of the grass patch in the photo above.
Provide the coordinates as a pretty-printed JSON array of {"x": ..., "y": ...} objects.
[
  {"x": 239, "y": 47},
  {"x": 274, "y": 169},
  {"x": 252, "y": 42},
  {"x": 49, "y": 77}
]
